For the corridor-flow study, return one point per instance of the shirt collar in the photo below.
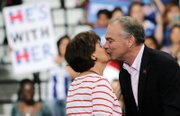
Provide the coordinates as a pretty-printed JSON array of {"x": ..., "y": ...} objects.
[{"x": 136, "y": 64}]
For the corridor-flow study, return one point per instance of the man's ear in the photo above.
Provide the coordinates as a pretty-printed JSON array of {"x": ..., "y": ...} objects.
[{"x": 131, "y": 41}]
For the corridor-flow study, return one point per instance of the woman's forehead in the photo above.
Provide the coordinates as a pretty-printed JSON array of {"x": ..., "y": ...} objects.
[{"x": 28, "y": 86}]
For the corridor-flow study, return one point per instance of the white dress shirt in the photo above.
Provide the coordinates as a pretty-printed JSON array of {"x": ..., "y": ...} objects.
[{"x": 134, "y": 71}]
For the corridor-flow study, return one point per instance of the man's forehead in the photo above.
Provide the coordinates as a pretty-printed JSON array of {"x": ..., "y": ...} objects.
[
  {"x": 112, "y": 29},
  {"x": 108, "y": 36}
]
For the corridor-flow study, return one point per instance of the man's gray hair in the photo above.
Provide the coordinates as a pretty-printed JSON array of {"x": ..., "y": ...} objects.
[{"x": 132, "y": 27}]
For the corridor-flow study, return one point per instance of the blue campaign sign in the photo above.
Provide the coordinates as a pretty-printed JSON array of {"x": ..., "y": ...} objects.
[
  {"x": 95, "y": 5},
  {"x": 31, "y": 36}
]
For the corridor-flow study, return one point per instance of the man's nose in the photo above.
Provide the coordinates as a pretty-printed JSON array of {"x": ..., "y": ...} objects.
[{"x": 106, "y": 45}]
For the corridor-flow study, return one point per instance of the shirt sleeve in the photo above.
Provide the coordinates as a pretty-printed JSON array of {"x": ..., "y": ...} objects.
[{"x": 103, "y": 98}]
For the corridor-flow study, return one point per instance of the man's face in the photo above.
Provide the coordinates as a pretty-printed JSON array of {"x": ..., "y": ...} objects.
[{"x": 116, "y": 44}]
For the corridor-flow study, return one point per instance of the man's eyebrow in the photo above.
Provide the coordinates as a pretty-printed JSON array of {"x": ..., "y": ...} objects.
[{"x": 109, "y": 38}]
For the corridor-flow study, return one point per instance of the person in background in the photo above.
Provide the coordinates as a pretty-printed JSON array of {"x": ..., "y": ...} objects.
[
  {"x": 174, "y": 48},
  {"x": 149, "y": 79},
  {"x": 59, "y": 80},
  {"x": 62, "y": 44},
  {"x": 175, "y": 42},
  {"x": 151, "y": 42},
  {"x": 136, "y": 11},
  {"x": 171, "y": 17},
  {"x": 89, "y": 94},
  {"x": 117, "y": 90},
  {"x": 103, "y": 17},
  {"x": 117, "y": 12},
  {"x": 160, "y": 5},
  {"x": 26, "y": 105}
]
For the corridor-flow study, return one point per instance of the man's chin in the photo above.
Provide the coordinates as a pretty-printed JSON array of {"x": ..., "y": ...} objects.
[{"x": 112, "y": 58}]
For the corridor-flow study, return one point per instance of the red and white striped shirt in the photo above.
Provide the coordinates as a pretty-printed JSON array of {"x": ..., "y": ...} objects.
[{"x": 92, "y": 95}]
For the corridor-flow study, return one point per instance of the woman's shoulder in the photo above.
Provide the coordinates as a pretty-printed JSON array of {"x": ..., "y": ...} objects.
[
  {"x": 45, "y": 109},
  {"x": 15, "y": 109},
  {"x": 16, "y": 104}
]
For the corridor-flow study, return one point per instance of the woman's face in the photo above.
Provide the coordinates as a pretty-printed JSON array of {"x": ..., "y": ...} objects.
[
  {"x": 62, "y": 46},
  {"x": 101, "y": 54},
  {"x": 173, "y": 13},
  {"x": 27, "y": 92},
  {"x": 175, "y": 35},
  {"x": 137, "y": 12}
]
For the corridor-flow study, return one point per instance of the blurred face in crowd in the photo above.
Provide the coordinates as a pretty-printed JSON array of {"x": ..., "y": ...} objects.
[
  {"x": 175, "y": 35},
  {"x": 137, "y": 12},
  {"x": 103, "y": 20},
  {"x": 28, "y": 92},
  {"x": 150, "y": 43},
  {"x": 116, "y": 43},
  {"x": 117, "y": 14},
  {"x": 173, "y": 14},
  {"x": 63, "y": 45}
]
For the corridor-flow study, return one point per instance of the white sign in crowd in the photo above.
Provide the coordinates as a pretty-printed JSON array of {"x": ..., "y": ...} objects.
[{"x": 30, "y": 35}]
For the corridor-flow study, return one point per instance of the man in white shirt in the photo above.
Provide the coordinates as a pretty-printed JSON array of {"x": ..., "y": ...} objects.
[{"x": 150, "y": 79}]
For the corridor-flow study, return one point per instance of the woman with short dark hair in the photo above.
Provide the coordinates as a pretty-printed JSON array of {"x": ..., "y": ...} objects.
[{"x": 89, "y": 93}]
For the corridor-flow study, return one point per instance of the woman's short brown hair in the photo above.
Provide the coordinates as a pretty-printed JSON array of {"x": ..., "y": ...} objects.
[{"x": 79, "y": 51}]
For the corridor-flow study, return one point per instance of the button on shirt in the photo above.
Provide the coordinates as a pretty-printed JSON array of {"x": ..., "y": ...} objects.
[{"x": 134, "y": 70}]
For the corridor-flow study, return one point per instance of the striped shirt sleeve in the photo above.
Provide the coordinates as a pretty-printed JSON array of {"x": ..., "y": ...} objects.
[{"x": 103, "y": 99}]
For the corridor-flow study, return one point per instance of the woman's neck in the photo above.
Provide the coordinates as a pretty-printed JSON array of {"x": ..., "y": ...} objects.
[
  {"x": 30, "y": 108},
  {"x": 92, "y": 70},
  {"x": 98, "y": 68},
  {"x": 31, "y": 102}
]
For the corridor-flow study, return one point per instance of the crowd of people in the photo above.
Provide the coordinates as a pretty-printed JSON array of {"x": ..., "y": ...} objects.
[
  {"x": 158, "y": 24},
  {"x": 148, "y": 83}
]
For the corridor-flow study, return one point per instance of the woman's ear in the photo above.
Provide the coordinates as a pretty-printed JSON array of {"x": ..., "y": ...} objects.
[{"x": 93, "y": 57}]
